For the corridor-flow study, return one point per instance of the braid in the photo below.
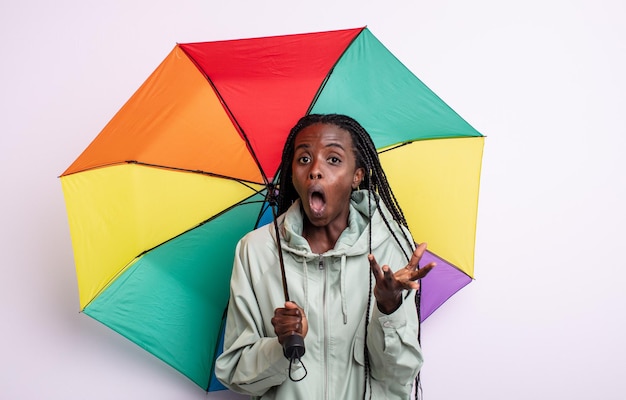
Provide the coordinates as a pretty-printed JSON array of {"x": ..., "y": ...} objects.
[{"x": 374, "y": 180}]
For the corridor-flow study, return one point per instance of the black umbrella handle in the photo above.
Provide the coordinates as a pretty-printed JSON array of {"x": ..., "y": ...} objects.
[{"x": 293, "y": 348}]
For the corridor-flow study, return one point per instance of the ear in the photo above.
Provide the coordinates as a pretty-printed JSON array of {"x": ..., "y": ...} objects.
[{"x": 358, "y": 177}]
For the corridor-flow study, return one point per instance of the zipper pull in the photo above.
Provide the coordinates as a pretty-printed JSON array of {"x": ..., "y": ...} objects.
[{"x": 321, "y": 264}]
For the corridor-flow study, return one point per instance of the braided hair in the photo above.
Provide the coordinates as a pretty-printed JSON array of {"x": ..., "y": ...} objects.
[{"x": 375, "y": 181}]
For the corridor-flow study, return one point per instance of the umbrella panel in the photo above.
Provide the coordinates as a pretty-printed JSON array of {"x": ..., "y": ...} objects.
[
  {"x": 175, "y": 120},
  {"x": 435, "y": 183},
  {"x": 441, "y": 284},
  {"x": 372, "y": 86}
]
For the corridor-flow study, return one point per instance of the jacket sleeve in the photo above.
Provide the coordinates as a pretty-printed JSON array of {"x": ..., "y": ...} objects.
[
  {"x": 251, "y": 362},
  {"x": 395, "y": 354}
]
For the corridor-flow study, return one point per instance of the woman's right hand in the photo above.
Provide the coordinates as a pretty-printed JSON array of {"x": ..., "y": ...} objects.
[{"x": 289, "y": 320}]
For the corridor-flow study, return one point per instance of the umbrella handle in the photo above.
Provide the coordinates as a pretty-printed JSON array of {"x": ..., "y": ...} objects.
[{"x": 293, "y": 348}]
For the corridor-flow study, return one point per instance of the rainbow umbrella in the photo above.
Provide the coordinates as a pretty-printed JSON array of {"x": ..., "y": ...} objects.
[{"x": 159, "y": 199}]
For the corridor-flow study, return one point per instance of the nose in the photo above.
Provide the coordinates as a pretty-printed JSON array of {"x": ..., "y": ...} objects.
[
  {"x": 315, "y": 171},
  {"x": 315, "y": 174}
]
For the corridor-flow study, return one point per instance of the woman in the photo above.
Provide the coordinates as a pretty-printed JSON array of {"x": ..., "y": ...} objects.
[{"x": 337, "y": 212}]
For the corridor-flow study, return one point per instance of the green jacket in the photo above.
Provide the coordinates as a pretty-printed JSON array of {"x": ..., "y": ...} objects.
[{"x": 333, "y": 290}]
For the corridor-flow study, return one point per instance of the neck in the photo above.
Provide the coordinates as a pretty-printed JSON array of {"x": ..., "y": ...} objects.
[{"x": 322, "y": 238}]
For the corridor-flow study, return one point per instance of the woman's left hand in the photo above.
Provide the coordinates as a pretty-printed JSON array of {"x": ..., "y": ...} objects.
[{"x": 389, "y": 285}]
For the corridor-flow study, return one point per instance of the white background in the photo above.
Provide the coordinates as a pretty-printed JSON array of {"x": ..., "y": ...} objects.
[{"x": 543, "y": 80}]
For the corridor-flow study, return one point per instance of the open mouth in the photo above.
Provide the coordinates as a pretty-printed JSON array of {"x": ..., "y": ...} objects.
[{"x": 317, "y": 202}]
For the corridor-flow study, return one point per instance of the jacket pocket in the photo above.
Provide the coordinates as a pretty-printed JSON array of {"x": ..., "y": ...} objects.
[
  {"x": 358, "y": 349},
  {"x": 358, "y": 343}
]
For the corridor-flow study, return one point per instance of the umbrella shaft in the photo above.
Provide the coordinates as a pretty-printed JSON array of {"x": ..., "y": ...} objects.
[{"x": 280, "y": 253}]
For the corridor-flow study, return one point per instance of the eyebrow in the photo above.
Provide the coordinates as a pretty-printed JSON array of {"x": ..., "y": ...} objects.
[{"x": 331, "y": 144}]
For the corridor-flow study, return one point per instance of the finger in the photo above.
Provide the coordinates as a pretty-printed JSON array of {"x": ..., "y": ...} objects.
[
  {"x": 378, "y": 274},
  {"x": 287, "y": 312},
  {"x": 422, "y": 272},
  {"x": 284, "y": 325},
  {"x": 388, "y": 275},
  {"x": 285, "y": 319},
  {"x": 417, "y": 256},
  {"x": 290, "y": 329},
  {"x": 410, "y": 285},
  {"x": 303, "y": 323},
  {"x": 293, "y": 313},
  {"x": 421, "y": 248},
  {"x": 284, "y": 334}
]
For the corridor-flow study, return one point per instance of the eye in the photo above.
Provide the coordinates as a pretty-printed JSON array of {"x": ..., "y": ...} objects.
[
  {"x": 334, "y": 160},
  {"x": 304, "y": 160}
]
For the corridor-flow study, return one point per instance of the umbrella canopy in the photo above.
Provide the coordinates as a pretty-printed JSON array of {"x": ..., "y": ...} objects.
[{"x": 159, "y": 199}]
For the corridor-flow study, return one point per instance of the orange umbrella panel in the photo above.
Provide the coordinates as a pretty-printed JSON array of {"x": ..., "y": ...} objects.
[{"x": 175, "y": 120}]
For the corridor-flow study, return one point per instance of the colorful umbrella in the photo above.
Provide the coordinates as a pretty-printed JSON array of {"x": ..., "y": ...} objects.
[{"x": 159, "y": 199}]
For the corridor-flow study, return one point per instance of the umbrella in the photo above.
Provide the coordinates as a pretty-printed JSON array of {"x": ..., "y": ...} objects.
[{"x": 157, "y": 202}]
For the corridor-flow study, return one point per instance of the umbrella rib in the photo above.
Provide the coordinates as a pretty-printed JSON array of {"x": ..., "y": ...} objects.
[
  {"x": 242, "y": 202},
  {"x": 325, "y": 81},
  {"x": 195, "y": 171},
  {"x": 244, "y": 182},
  {"x": 398, "y": 145},
  {"x": 330, "y": 72},
  {"x": 437, "y": 256}
]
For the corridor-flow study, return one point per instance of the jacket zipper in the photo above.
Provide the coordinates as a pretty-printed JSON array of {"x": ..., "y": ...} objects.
[{"x": 325, "y": 322}]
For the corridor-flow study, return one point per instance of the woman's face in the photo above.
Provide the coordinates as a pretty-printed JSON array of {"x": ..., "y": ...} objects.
[{"x": 324, "y": 173}]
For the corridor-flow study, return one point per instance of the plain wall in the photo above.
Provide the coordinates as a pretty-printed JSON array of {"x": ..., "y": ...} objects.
[{"x": 543, "y": 80}]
